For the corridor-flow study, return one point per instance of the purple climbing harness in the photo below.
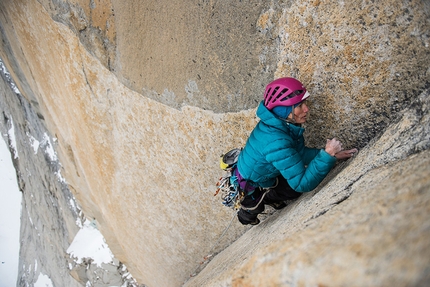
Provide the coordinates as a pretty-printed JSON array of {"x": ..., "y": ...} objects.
[{"x": 245, "y": 186}]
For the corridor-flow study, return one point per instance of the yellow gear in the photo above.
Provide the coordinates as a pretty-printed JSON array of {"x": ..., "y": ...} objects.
[
  {"x": 222, "y": 164},
  {"x": 229, "y": 159}
]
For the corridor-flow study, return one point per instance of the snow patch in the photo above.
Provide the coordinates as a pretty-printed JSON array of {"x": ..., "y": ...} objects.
[
  {"x": 60, "y": 177},
  {"x": 90, "y": 243},
  {"x": 73, "y": 204},
  {"x": 43, "y": 281},
  {"x": 8, "y": 77},
  {"x": 12, "y": 139},
  {"x": 78, "y": 219},
  {"x": 49, "y": 149},
  {"x": 34, "y": 143}
]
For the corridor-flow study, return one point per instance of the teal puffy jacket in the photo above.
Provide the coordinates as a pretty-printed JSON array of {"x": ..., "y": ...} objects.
[{"x": 275, "y": 148}]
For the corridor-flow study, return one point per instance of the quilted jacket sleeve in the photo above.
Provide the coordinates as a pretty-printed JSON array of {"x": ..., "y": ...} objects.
[
  {"x": 291, "y": 164},
  {"x": 309, "y": 154}
]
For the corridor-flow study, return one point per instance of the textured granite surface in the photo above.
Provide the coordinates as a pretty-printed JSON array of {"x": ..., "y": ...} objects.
[{"x": 144, "y": 98}]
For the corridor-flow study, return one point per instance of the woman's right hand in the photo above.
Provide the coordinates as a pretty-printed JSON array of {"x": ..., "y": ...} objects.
[{"x": 333, "y": 146}]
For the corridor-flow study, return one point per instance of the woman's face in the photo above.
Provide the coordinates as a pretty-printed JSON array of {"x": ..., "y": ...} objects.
[{"x": 300, "y": 113}]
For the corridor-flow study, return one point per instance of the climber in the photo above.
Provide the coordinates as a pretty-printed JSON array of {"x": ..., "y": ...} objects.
[{"x": 275, "y": 165}]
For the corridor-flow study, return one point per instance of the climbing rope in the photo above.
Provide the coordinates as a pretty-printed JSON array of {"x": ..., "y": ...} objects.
[{"x": 206, "y": 258}]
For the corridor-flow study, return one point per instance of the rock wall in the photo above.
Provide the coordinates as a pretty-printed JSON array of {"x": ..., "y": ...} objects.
[
  {"x": 143, "y": 98},
  {"x": 367, "y": 224},
  {"x": 50, "y": 215}
]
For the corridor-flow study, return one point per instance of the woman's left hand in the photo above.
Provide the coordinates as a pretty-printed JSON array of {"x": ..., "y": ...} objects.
[{"x": 345, "y": 154}]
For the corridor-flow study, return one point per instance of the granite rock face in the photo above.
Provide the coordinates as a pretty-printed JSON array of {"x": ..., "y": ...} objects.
[
  {"x": 50, "y": 215},
  {"x": 49, "y": 211},
  {"x": 142, "y": 99},
  {"x": 366, "y": 225}
]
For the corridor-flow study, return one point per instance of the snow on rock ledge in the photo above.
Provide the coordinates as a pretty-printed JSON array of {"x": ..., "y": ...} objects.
[{"x": 92, "y": 261}]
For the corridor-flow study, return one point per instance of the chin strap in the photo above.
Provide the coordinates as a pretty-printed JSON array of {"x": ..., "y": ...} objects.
[{"x": 292, "y": 120}]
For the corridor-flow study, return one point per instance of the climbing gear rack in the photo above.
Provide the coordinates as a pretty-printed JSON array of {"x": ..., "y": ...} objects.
[
  {"x": 228, "y": 184},
  {"x": 228, "y": 187}
]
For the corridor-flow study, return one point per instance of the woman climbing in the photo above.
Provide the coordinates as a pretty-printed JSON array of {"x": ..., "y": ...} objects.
[{"x": 275, "y": 165}]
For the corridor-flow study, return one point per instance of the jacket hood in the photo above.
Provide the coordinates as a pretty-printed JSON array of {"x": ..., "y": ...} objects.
[{"x": 270, "y": 119}]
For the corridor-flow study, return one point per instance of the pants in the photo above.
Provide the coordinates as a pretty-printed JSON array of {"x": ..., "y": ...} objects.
[{"x": 253, "y": 204}]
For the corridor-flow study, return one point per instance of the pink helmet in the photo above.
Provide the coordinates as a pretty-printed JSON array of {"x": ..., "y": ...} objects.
[{"x": 284, "y": 92}]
